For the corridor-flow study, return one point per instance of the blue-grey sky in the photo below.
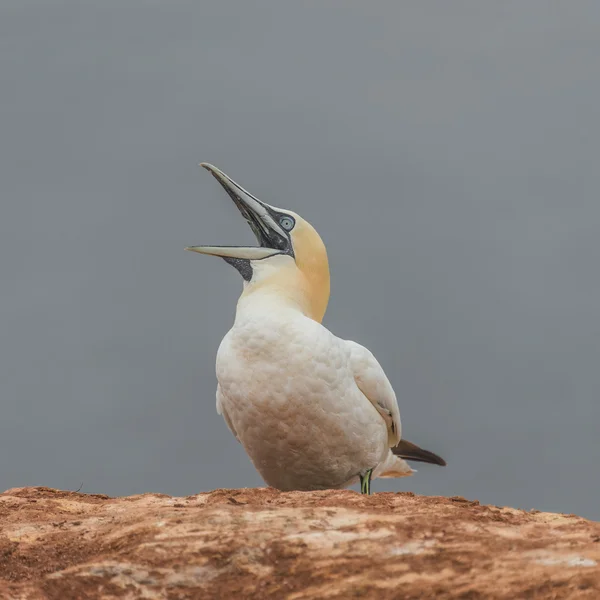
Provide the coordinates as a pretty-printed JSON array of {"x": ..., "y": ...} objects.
[{"x": 447, "y": 152}]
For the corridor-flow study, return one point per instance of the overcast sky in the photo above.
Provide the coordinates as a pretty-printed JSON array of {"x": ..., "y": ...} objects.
[{"x": 447, "y": 152}]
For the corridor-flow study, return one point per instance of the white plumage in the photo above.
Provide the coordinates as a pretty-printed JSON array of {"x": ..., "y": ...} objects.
[{"x": 312, "y": 411}]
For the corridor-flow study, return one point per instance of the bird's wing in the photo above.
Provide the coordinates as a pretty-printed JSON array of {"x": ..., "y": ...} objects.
[
  {"x": 221, "y": 410},
  {"x": 373, "y": 383}
]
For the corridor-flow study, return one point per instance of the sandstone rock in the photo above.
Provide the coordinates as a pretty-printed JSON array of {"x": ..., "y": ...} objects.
[{"x": 260, "y": 543}]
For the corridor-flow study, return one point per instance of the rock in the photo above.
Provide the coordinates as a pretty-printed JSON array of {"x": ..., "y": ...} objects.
[{"x": 260, "y": 543}]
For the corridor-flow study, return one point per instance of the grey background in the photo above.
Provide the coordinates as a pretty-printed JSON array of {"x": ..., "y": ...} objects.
[{"x": 446, "y": 151}]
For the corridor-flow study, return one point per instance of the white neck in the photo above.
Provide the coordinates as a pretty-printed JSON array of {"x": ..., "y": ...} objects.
[{"x": 278, "y": 285}]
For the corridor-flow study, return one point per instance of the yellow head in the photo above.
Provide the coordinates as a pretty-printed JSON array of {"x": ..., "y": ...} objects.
[{"x": 291, "y": 259}]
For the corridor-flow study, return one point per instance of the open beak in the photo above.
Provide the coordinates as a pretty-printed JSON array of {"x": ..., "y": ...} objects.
[{"x": 271, "y": 237}]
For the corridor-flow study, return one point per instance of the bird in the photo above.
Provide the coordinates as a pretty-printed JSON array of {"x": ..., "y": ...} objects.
[{"x": 312, "y": 411}]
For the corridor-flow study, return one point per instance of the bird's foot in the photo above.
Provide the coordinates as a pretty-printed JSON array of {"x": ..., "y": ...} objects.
[{"x": 365, "y": 482}]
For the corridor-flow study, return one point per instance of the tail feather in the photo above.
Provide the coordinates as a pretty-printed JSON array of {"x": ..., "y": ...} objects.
[
  {"x": 393, "y": 466},
  {"x": 409, "y": 451}
]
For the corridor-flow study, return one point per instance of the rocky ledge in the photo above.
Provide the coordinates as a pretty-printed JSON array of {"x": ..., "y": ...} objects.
[{"x": 260, "y": 543}]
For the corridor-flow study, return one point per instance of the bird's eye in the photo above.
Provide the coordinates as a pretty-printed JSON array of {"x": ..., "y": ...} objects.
[{"x": 287, "y": 223}]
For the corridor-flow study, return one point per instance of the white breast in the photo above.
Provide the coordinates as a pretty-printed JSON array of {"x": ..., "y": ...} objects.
[{"x": 287, "y": 389}]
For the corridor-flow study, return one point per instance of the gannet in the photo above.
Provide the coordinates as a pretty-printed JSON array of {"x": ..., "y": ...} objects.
[{"x": 312, "y": 411}]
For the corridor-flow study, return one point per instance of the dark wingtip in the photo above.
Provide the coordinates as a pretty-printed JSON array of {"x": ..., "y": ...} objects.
[{"x": 409, "y": 451}]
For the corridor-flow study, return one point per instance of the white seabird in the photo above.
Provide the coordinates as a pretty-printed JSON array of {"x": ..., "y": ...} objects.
[{"x": 312, "y": 411}]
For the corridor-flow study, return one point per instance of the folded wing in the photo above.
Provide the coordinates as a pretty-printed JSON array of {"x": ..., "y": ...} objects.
[{"x": 376, "y": 387}]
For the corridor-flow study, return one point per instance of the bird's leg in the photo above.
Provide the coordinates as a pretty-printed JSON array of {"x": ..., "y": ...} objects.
[{"x": 365, "y": 482}]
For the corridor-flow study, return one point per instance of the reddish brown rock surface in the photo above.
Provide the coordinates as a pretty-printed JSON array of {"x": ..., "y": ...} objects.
[{"x": 259, "y": 543}]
